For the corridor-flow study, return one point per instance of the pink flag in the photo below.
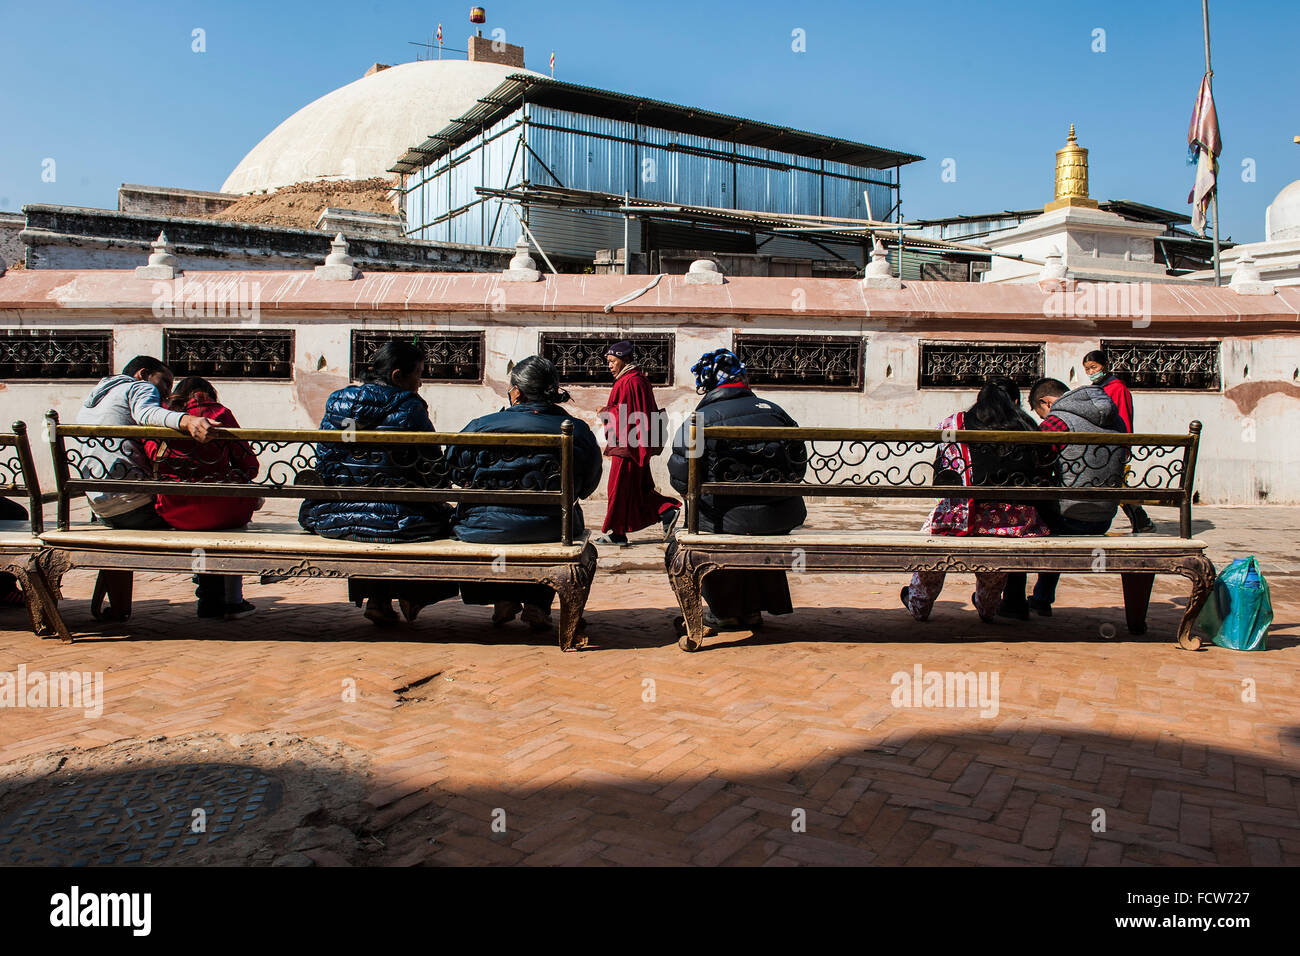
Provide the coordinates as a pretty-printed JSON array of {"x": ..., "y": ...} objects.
[{"x": 1204, "y": 146}]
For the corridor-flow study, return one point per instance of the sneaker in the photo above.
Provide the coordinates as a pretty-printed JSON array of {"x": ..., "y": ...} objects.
[
  {"x": 1041, "y": 608},
  {"x": 235, "y": 611},
  {"x": 669, "y": 521},
  {"x": 536, "y": 618},
  {"x": 611, "y": 538},
  {"x": 1149, "y": 527},
  {"x": 505, "y": 612}
]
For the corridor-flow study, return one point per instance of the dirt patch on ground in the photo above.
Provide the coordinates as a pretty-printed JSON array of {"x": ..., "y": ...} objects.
[
  {"x": 300, "y": 205},
  {"x": 265, "y": 798}
]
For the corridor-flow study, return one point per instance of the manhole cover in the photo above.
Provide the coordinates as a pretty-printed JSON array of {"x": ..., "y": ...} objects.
[{"x": 145, "y": 816}]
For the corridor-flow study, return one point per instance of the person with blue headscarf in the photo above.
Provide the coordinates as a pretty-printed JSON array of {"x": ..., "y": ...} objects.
[{"x": 737, "y": 599}]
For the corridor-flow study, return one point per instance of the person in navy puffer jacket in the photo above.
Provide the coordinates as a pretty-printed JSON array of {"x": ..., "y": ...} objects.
[
  {"x": 535, "y": 397},
  {"x": 737, "y": 599},
  {"x": 388, "y": 400}
]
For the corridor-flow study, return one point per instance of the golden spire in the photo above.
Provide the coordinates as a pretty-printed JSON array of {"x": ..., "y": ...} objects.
[{"x": 1071, "y": 176}]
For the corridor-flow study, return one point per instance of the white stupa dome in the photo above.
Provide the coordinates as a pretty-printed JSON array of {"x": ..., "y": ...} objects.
[
  {"x": 358, "y": 131},
  {"x": 1282, "y": 218}
]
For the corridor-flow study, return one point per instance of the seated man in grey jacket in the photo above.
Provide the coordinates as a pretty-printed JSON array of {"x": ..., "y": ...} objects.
[{"x": 136, "y": 397}]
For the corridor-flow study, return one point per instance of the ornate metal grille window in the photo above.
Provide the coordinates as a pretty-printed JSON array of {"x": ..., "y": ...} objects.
[
  {"x": 47, "y": 354},
  {"x": 1172, "y": 365},
  {"x": 449, "y": 356},
  {"x": 801, "y": 361},
  {"x": 970, "y": 364},
  {"x": 229, "y": 353},
  {"x": 580, "y": 358}
]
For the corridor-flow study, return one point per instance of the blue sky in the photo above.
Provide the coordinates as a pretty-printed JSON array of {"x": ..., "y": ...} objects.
[{"x": 113, "y": 92}]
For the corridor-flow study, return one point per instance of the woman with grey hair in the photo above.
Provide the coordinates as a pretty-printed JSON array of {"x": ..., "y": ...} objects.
[{"x": 535, "y": 400}]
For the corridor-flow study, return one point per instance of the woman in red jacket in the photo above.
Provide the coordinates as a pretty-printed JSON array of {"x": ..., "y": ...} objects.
[
  {"x": 1097, "y": 367},
  {"x": 181, "y": 460}
]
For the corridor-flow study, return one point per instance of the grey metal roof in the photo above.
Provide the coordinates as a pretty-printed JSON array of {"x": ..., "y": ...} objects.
[{"x": 638, "y": 109}]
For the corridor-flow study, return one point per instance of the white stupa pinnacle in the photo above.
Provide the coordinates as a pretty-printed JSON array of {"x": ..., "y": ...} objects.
[
  {"x": 162, "y": 264},
  {"x": 338, "y": 264}
]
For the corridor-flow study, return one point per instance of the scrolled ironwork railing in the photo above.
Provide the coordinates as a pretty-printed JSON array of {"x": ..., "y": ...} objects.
[
  {"x": 18, "y": 473},
  {"x": 328, "y": 465},
  {"x": 1152, "y": 469}
]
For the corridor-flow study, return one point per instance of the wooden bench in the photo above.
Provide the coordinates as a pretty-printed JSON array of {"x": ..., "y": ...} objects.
[
  {"x": 20, "y": 543},
  {"x": 273, "y": 548},
  {"x": 898, "y": 463}
]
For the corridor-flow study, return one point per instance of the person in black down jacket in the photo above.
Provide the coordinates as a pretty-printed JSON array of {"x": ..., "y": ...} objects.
[
  {"x": 738, "y": 598},
  {"x": 388, "y": 400},
  {"x": 535, "y": 397}
]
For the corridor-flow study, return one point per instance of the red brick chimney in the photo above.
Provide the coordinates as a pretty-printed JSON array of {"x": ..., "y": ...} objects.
[{"x": 507, "y": 54}]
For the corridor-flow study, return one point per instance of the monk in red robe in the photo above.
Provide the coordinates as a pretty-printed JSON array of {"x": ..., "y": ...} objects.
[{"x": 633, "y": 436}]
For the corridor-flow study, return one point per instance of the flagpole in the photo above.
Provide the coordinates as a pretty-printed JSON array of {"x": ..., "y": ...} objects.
[{"x": 1205, "y": 22}]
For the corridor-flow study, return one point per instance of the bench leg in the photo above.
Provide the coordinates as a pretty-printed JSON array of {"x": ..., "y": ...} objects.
[
  {"x": 1200, "y": 570},
  {"x": 1137, "y": 598},
  {"x": 118, "y": 586},
  {"x": 572, "y": 587},
  {"x": 42, "y": 606},
  {"x": 686, "y": 576}
]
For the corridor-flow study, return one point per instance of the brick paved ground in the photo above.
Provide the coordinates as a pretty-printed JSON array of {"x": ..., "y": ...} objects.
[{"x": 634, "y": 752}]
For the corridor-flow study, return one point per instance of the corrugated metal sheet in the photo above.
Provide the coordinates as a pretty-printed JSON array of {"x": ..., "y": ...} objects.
[
  {"x": 664, "y": 167},
  {"x": 571, "y": 232},
  {"x": 798, "y": 248}
]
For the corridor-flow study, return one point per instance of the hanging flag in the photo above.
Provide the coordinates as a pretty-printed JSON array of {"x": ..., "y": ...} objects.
[
  {"x": 439, "y": 34},
  {"x": 1203, "y": 147},
  {"x": 552, "y": 63}
]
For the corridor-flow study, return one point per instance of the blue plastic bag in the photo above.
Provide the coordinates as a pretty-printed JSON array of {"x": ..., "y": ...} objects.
[{"x": 1239, "y": 611}]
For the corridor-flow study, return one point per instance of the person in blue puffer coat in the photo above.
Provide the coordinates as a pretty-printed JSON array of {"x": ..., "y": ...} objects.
[
  {"x": 388, "y": 400},
  {"x": 535, "y": 399}
]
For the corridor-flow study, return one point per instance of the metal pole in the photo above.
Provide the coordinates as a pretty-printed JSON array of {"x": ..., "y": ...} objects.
[
  {"x": 1214, "y": 200},
  {"x": 626, "y": 255}
]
